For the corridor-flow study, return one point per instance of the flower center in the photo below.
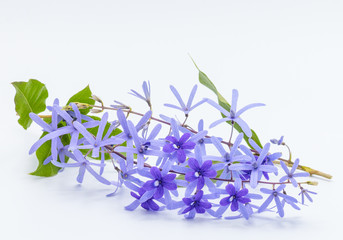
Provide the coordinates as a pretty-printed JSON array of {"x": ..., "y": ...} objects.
[
  {"x": 176, "y": 146},
  {"x": 196, "y": 174},
  {"x": 227, "y": 157},
  {"x": 201, "y": 141},
  {"x": 156, "y": 183},
  {"x": 254, "y": 165}
]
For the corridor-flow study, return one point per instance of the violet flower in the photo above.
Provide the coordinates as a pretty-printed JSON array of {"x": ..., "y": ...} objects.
[
  {"x": 199, "y": 174},
  {"x": 275, "y": 194},
  {"x": 237, "y": 199},
  {"x": 226, "y": 159},
  {"x": 142, "y": 146},
  {"x": 255, "y": 166},
  {"x": 178, "y": 147},
  {"x": 268, "y": 160},
  {"x": 195, "y": 204},
  {"x": 185, "y": 108},
  {"x": 127, "y": 135},
  {"x": 276, "y": 141},
  {"x": 83, "y": 165},
  {"x": 198, "y": 138},
  {"x": 148, "y": 204},
  {"x": 234, "y": 116},
  {"x": 146, "y": 91},
  {"x": 290, "y": 175},
  {"x": 159, "y": 185},
  {"x": 305, "y": 193},
  {"x": 56, "y": 144}
]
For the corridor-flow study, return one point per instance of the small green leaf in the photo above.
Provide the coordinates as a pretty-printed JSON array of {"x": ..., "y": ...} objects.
[
  {"x": 204, "y": 80},
  {"x": 42, "y": 153},
  {"x": 84, "y": 96},
  {"x": 30, "y": 97}
]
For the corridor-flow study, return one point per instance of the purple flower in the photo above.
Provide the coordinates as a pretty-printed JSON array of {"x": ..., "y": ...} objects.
[
  {"x": 146, "y": 91},
  {"x": 275, "y": 194},
  {"x": 127, "y": 135},
  {"x": 226, "y": 158},
  {"x": 148, "y": 204},
  {"x": 56, "y": 144},
  {"x": 278, "y": 142},
  {"x": 179, "y": 146},
  {"x": 290, "y": 175},
  {"x": 233, "y": 115},
  {"x": 268, "y": 160},
  {"x": 255, "y": 166},
  {"x": 143, "y": 147},
  {"x": 198, "y": 138},
  {"x": 96, "y": 143},
  {"x": 199, "y": 174},
  {"x": 83, "y": 165},
  {"x": 185, "y": 108},
  {"x": 195, "y": 204},
  {"x": 237, "y": 199},
  {"x": 70, "y": 122},
  {"x": 160, "y": 182},
  {"x": 305, "y": 193},
  {"x": 234, "y": 197}
]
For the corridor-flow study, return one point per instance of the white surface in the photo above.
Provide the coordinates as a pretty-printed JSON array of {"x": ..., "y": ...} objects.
[{"x": 287, "y": 54}]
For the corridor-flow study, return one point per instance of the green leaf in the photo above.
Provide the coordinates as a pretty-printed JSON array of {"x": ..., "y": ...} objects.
[
  {"x": 84, "y": 96},
  {"x": 204, "y": 80},
  {"x": 42, "y": 153},
  {"x": 30, "y": 97}
]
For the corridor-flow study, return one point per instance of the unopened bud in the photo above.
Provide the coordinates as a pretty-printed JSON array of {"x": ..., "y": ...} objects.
[
  {"x": 94, "y": 110},
  {"x": 96, "y": 98},
  {"x": 313, "y": 183}
]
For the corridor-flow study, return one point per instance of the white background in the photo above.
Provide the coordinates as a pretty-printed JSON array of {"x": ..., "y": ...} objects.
[{"x": 287, "y": 54}]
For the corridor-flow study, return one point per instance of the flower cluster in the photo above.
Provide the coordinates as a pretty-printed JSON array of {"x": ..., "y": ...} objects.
[{"x": 174, "y": 172}]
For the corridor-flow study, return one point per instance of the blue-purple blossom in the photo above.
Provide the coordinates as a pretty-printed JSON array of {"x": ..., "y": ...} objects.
[
  {"x": 234, "y": 116},
  {"x": 275, "y": 195},
  {"x": 236, "y": 200},
  {"x": 179, "y": 146},
  {"x": 199, "y": 173},
  {"x": 268, "y": 160},
  {"x": 198, "y": 138},
  {"x": 146, "y": 91},
  {"x": 83, "y": 165},
  {"x": 195, "y": 204},
  {"x": 235, "y": 196},
  {"x": 226, "y": 158},
  {"x": 290, "y": 175},
  {"x": 143, "y": 147},
  {"x": 97, "y": 142},
  {"x": 70, "y": 120},
  {"x": 305, "y": 193},
  {"x": 148, "y": 204},
  {"x": 56, "y": 144},
  {"x": 277, "y": 141},
  {"x": 127, "y": 135},
  {"x": 255, "y": 166},
  {"x": 160, "y": 185},
  {"x": 185, "y": 108}
]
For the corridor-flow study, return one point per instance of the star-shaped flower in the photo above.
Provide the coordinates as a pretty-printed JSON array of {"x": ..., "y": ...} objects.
[
  {"x": 290, "y": 175},
  {"x": 185, "y": 108},
  {"x": 233, "y": 115},
  {"x": 276, "y": 194},
  {"x": 255, "y": 166}
]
